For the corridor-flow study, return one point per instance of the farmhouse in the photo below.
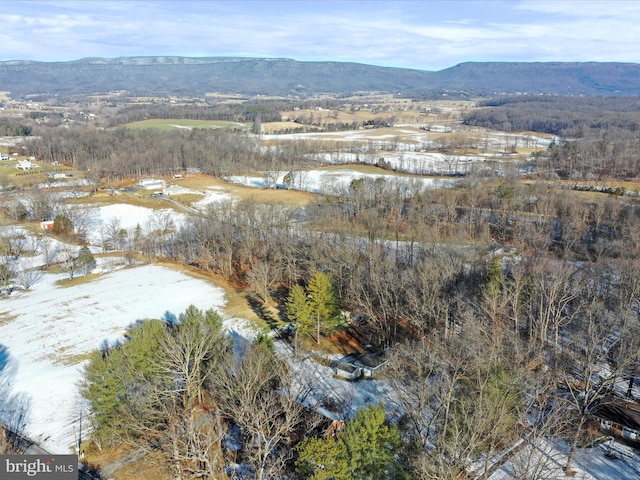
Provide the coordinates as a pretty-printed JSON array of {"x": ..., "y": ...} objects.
[
  {"x": 619, "y": 417},
  {"x": 24, "y": 164}
]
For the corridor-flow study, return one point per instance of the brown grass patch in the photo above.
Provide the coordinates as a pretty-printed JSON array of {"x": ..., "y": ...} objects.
[
  {"x": 275, "y": 127},
  {"x": 150, "y": 467},
  {"x": 6, "y": 318},
  {"x": 241, "y": 192}
]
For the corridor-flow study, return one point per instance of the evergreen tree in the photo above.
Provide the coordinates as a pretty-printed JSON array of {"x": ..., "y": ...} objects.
[
  {"x": 298, "y": 310},
  {"x": 288, "y": 179},
  {"x": 117, "y": 378},
  {"x": 322, "y": 459},
  {"x": 367, "y": 448},
  {"x": 323, "y": 303},
  {"x": 86, "y": 261},
  {"x": 62, "y": 225},
  {"x": 372, "y": 445}
]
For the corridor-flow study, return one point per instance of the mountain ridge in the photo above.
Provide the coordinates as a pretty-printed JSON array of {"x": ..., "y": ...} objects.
[{"x": 176, "y": 75}]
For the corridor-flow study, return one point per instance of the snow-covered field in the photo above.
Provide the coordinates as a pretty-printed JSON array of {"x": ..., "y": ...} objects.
[
  {"x": 331, "y": 182},
  {"x": 408, "y": 136},
  {"x": 413, "y": 150},
  {"x": 45, "y": 333}
]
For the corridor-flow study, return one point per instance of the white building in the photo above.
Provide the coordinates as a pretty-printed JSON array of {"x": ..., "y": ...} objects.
[
  {"x": 151, "y": 183},
  {"x": 24, "y": 164}
]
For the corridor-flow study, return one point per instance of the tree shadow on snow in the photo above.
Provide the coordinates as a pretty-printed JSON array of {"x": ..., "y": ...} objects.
[
  {"x": 259, "y": 309},
  {"x": 14, "y": 407}
]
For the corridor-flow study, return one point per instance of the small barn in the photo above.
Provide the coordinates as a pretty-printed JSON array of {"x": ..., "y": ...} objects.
[
  {"x": 348, "y": 371},
  {"x": 372, "y": 365}
]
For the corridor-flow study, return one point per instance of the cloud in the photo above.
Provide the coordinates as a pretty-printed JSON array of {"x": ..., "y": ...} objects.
[{"x": 417, "y": 34}]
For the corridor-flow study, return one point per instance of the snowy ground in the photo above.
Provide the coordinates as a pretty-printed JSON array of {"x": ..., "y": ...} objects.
[
  {"x": 335, "y": 398},
  {"x": 545, "y": 460},
  {"x": 413, "y": 150},
  {"x": 45, "y": 332},
  {"x": 408, "y": 136},
  {"x": 128, "y": 217},
  {"x": 331, "y": 182}
]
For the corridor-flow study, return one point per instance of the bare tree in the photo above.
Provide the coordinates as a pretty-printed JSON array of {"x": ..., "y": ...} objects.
[
  {"x": 604, "y": 346},
  {"x": 259, "y": 394},
  {"x": 262, "y": 276},
  {"x": 417, "y": 371},
  {"x": 28, "y": 276},
  {"x": 556, "y": 285}
]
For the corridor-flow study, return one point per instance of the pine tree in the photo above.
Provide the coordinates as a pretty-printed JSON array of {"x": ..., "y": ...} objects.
[
  {"x": 322, "y": 459},
  {"x": 323, "y": 303},
  {"x": 86, "y": 261},
  {"x": 298, "y": 309},
  {"x": 372, "y": 445},
  {"x": 62, "y": 225},
  {"x": 367, "y": 448}
]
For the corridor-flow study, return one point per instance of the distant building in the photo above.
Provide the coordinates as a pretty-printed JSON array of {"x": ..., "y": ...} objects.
[
  {"x": 152, "y": 184},
  {"x": 24, "y": 164},
  {"x": 176, "y": 190},
  {"x": 439, "y": 129}
]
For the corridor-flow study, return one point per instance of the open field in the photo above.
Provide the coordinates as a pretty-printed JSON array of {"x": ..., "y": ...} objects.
[
  {"x": 172, "y": 124},
  {"x": 211, "y": 185},
  {"x": 44, "y": 369}
]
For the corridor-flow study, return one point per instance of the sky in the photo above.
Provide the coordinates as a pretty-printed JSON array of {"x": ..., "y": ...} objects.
[{"x": 420, "y": 34}]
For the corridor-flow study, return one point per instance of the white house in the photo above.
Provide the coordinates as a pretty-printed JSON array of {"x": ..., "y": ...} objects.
[{"x": 24, "y": 164}]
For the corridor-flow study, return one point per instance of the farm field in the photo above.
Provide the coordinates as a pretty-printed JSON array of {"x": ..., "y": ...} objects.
[
  {"x": 335, "y": 180},
  {"x": 186, "y": 124}
]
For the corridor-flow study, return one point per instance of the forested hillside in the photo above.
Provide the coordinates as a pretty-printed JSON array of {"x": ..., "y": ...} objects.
[{"x": 161, "y": 76}]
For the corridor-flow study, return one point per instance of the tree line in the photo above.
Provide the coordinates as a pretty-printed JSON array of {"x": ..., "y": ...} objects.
[{"x": 569, "y": 117}]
